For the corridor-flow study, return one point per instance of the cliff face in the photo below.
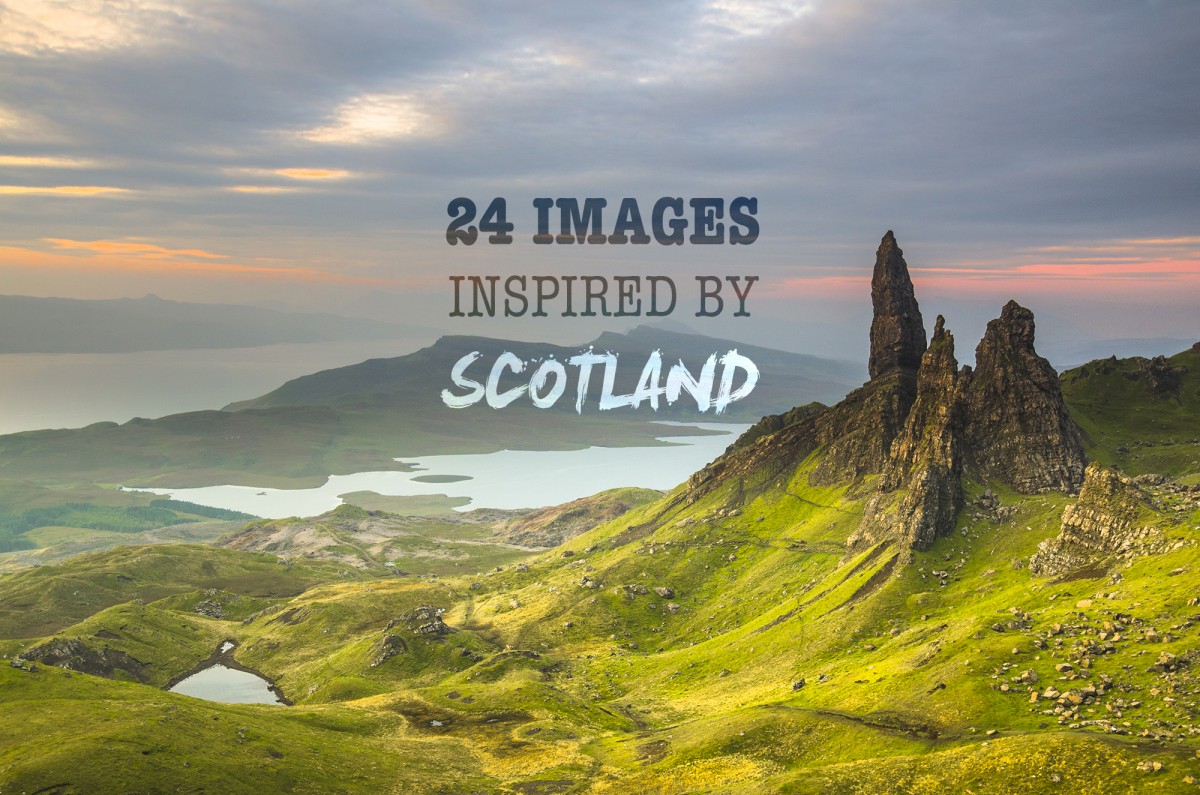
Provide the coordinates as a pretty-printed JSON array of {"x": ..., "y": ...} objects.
[
  {"x": 1016, "y": 428},
  {"x": 858, "y": 432},
  {"x": 924, "y": 461},
  {"x": 1102, "y": 524},
  {"x": 897, "y": 331},
  {"x": 933, "y": 426},
  {"x": 921, "y": 424}
]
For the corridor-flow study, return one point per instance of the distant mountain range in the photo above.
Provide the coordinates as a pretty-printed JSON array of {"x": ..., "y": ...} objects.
[
  {"x": 785, "y": 378},
  {"x": 359, "y": 418},
  {"x": 127, "y": 325}
]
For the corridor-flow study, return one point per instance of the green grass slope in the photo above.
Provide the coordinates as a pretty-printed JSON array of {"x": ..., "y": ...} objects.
[
  {"x": 726, "y": 643},
  {"x": 1129, "y": 423},
  {"x": 773, "y": 662},
  {"x": 38, "y": 601}
]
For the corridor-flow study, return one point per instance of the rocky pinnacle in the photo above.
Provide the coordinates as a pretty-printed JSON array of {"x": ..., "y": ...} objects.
[
  {"x": 1016, "y": 427},
  {"x": 924, "y": 462},
  {"x": 897, "y": 331}
]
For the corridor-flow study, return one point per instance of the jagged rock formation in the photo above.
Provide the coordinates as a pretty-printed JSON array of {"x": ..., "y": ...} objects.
[
  {"x": 74, "y": 654},
  {"x": 932, "y": 427},
  {"x": 924, "y": 460},
  {"x": 921, "y": 423},
  {"x": 1161, "y": 376},
  {"x": 897, "y": 331},
  {"x": 1102, "y": 524},
  {"x": 858, "y": 432},
  {"x": 1016, "y": 429}
]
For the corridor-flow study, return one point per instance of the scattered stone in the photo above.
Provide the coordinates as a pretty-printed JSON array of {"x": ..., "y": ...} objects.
[
  {"x": 389, "y": 647},
  {"x": 426, "y": 620},
  {"x": 210, "y": 609}
]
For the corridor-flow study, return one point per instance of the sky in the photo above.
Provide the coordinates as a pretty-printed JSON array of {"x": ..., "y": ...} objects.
[{"x": 302, "y": 155}]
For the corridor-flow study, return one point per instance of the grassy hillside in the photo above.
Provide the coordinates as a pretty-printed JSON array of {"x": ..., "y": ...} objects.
[
  {"x": 773, "y": 662},
  {"x": 38, "y": 601},
  {"x": 384, "y": 543},
  {"x": 721, "y": 643},
  {"x": 1138, "y": 417},
  {"x": 42, "y": 525}
]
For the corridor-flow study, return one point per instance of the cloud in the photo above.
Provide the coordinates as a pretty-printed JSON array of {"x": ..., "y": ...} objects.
[
  {"x": 73, "y": 191},
  {"x": 312, "y": 173},
  {"x": 133, "y": 248},
  {"x": 125, "y": 257},
  {"x": 35, "y": 27},
  {"x": 1032, "y": 136},
  {"x": 746, "y": 18},
  {"x": 1164, "y": 268},
  {"x": 267, "y": 189},
  {"x": 43, "y": 161},
  {"x": 369, "y": 118}
]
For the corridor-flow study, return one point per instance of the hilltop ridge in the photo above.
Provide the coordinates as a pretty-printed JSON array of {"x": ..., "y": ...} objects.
[{"x": 920, "y": 425}]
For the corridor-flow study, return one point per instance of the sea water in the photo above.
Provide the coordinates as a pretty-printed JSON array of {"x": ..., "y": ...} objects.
[{"x": 507, "y": 479}]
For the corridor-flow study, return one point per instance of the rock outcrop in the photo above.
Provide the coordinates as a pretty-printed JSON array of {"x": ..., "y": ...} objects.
[
  {"x": 1161, "y": 376},
  {"x": 386, "y": 648},
  {"x": 74, "y": 654},
  {"x": 858, "y": 432},
  {"x": 897, "y": 331},
  {"x": 426, "y": 620},
  {"x": 1016, "y": 429},
  {"x": 924, "y": 460},
  {"x": 1101, "y": 525},
  {"x": 920, "y": 423}
]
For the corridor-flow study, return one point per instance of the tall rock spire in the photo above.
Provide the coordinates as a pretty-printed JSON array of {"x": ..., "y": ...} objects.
[
  {"x": 1017, "y": 429},
  {"x": 924, "y": 462},
  {"x": 921, "y": 424},
  {"x": 858, "y": 432},
  {"x": 897, "y": 331}
]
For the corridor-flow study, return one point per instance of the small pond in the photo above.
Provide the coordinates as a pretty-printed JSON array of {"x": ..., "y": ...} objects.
[{"x": 229, "y": 684}]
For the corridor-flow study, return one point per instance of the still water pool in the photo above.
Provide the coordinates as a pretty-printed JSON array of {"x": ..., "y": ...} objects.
[
  {"x": 506, "y": 479},
  {"x": 228, "y": 685}
]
